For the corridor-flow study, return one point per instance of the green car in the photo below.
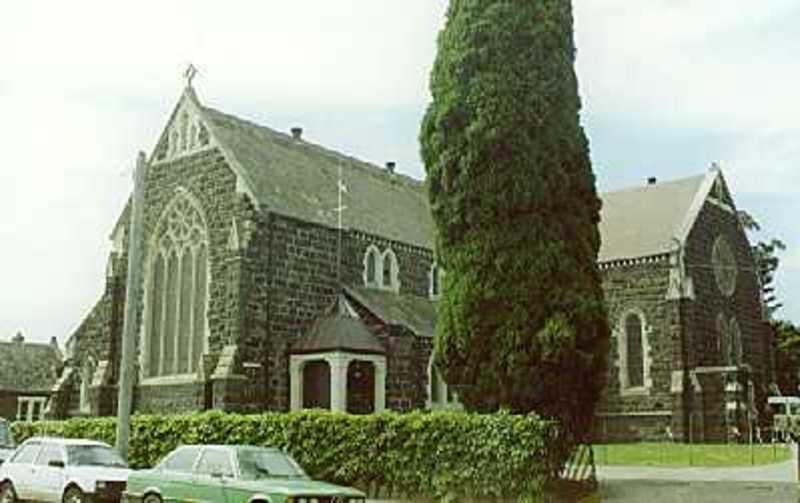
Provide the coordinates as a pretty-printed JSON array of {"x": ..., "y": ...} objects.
[{"x": 232, "y": 474}]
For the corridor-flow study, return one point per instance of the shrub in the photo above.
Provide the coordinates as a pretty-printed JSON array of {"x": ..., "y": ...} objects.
[{"x": 447, "y": 455}]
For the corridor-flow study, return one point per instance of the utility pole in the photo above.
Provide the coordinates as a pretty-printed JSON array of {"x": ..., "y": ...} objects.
[{"x": 131, "y": 301}]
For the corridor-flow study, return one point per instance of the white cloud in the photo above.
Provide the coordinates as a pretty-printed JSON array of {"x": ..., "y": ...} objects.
[{"x": 687, "y": 63}]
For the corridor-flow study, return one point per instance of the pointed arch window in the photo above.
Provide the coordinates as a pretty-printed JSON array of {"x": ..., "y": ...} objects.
[
  {"x": 635, "y": 356},
  {"x": 381, "y": 270},
  {"x": 175, "y": 328},
  {"x": 390, "y": 272},
  {"x": 634, "y": 352},
  {"x": 371, "y": 263}
]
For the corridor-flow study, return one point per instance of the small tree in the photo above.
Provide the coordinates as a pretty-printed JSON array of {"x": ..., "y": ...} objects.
[
  {"x": 521, "y": 323},
  {"x": 765, "y": 254},
  {"x": 787, "y": 356}
]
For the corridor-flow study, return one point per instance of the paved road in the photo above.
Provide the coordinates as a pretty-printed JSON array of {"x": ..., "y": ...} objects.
[
  {"x": 775, "y": 483},
  {"x": 669, "y": 491}
]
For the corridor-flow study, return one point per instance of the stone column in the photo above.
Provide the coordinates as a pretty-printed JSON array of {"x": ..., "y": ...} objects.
[
  {"x": 338, "y": 365},
  {"x": 380, "y": 385},
  {"x": 296, "y": 365}
]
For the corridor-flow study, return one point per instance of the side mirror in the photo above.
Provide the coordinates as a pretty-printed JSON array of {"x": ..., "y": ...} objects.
[{"x": 56, "y": 463}]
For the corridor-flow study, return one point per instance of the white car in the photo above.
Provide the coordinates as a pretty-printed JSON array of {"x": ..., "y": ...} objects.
[{"x": 63, "y": 470}]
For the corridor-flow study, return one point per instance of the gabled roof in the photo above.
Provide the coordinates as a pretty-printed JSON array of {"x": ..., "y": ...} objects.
[
  {"x": 653, "y": 219},
  {"x": 338, "y": 330},
  {"x": 28, "y": 366},
  {"x": 299, "y": 179}
]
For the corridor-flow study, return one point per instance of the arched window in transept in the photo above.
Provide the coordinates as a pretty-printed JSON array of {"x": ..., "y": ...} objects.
[
  {"x": 632, "y": 334},
  {"x": 635, "y": 353},
  {"x": 176, "y": 298}
]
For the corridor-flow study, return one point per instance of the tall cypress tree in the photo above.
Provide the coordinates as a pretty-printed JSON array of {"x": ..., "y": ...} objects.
[{"x": 522, "y": 323}]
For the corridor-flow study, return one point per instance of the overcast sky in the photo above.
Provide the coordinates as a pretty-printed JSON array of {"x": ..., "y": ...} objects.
[{"x": 668, "y": 87}]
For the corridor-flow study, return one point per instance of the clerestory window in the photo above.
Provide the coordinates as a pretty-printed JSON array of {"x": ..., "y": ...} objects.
[
  {"x": 177, "y": 291},
  {"x": 371, "y": 262},
  {"x": 381, "y": 270}
]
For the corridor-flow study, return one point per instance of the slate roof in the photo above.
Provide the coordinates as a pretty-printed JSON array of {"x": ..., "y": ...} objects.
[
  {"x": 338, "y": 332},
  {"x": 412, "y": 311},
  {"x": 28, "y": 366},
  {"x": 645, "y": 221},
  {"x": 298, "y": 178}
]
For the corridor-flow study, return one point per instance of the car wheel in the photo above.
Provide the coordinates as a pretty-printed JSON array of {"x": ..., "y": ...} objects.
[
  {"x": 7, "y": 493},
  {"x": 73, "y": 494},
  {"x": 150, "y": 498}
]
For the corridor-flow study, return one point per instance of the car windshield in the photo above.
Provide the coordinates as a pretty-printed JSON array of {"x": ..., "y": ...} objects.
[
  {"x": 6, "y": 439},
  {"x": 93, "y": 455},
  {"x": 260, "y": 463}
]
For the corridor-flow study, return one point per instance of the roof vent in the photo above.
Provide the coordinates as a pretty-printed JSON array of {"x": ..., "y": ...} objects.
[
  {"x": 297, "y": 133},
  {"x": 652, "y": 180},
  {"x": 390, "y": 166}
]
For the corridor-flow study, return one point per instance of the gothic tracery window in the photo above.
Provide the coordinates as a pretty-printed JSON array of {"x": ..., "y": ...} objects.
[
  {"x": 177, "y": 295},
  {"x": 724, "y": 264}
]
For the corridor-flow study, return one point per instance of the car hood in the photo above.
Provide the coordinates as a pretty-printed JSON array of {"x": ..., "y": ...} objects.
[
  {"x": 106, "y": 473},
  {"x": 294, "y": 487}
]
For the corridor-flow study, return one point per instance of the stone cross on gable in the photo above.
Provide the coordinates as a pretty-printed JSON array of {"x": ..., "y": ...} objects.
[{"x": 189, "y": 74}]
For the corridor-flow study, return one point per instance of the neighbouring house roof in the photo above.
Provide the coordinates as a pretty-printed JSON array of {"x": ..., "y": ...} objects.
[
  {"x": 650, "y": 220},
  {"x": 28, "y": 366},
  {"x": 338, "y": 330},
  {"x": 412, "y": 311}
]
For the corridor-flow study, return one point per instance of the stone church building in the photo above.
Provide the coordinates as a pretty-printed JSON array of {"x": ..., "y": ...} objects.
[{"x": 255, "y": 298}]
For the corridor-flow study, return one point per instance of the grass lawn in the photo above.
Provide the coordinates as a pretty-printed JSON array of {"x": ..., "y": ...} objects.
[{"x": 677, "y": 454}]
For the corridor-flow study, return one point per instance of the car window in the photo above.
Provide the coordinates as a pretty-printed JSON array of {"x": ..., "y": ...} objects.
[
  {"x": 182, "y": 460},
  {"x": 256, "y": 463},
  {"x": 27, "y": 453},
  {"x": 48, "y": 453},
  {"x": 215, "y": 462},
  {"x": 94, "y": 455}
]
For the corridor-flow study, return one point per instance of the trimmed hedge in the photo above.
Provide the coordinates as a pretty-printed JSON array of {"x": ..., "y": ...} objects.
[{"x": 447, "y": 455}]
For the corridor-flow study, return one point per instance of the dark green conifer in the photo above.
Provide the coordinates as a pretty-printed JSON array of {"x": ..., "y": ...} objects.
[{"x": 522, "y": 323}]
